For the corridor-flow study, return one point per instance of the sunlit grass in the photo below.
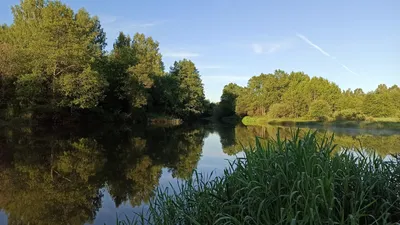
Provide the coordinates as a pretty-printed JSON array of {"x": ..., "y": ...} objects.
[
  {"x": 264, "y": 120},
  {"x": 373, "y": 123},
  {"x": 387, "y": 119},
  {"x": 297, "y": 181}
]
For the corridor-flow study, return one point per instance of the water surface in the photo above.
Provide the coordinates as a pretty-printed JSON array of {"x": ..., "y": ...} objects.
[{"x": 91, "y": 176}]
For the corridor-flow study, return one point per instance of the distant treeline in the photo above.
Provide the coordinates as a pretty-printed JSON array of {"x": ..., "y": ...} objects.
[
  {"x": 296, "y": 95},
  {"x": 53, "y": 64}
]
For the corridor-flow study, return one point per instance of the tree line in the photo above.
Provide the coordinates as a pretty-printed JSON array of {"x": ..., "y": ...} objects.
[
  {"x": 53, "y": 64},
  {"x": 297, "y": 95}
]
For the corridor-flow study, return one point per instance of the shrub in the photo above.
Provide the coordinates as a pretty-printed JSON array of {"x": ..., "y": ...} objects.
[
  {"x": 320, "y": 110},
  {"x": 297, "y": 181},
  {"x": 350, "y": 114},
  {"x": 279, "y": 110}
]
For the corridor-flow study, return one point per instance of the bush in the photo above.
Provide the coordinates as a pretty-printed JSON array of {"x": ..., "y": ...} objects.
[
  {"x": 350, "y": 114},
  {"x": 297, "y": 181},
  {"x": 320, "y": 110},
  {"x": 279, "y": 110}
]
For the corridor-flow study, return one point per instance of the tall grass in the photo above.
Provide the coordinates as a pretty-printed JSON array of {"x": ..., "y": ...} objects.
[{"x": 301, "y": 180}]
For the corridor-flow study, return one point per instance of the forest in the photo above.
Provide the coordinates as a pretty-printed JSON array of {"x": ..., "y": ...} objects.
[
  {"x": 53, "y": 66},
  {"x": 297, "y": 95}
]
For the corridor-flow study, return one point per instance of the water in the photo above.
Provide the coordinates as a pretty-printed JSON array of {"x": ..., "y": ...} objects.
[{"x": 91, "y": 176}]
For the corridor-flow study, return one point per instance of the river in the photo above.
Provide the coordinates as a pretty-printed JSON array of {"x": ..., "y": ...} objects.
[{"x": 93, "y": 175}]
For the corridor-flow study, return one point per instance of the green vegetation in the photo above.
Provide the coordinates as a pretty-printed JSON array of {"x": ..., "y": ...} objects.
[
  {"x": 296, "y": 96},
  {"x": 374, "y": 123},
  {"x": 53, "y": 67},
  {"x": 302, "y": 180}
]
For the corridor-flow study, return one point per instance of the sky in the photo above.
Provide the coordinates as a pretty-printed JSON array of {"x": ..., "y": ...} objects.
[{"x": 355, "y": 44}]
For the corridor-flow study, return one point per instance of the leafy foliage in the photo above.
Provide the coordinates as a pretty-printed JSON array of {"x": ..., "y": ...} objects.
[
  {"x": 52, "y": 59},
  {"x": 279, "y": 110},
  {"x": 320, "y": 110},
  {"x": 283, "y": 95},
  {"x": 349, "y": 114}
]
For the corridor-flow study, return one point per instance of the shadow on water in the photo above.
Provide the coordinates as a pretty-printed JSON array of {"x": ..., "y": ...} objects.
[{"x": 71, "y": 176}]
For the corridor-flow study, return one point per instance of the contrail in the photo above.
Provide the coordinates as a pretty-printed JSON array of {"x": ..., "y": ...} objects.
[
  {"x": 308, "y": 41},
  {"x": 302, "y": 37},
  {"x": 348, "y": 69}
]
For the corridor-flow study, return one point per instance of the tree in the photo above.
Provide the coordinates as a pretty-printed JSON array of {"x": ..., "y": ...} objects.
[
  {"x": 321, "y": 89},
  {"x": 382, "y": 102},
  {"x": 60, "y": 50},
  {"x": 148, "y": 65},
  {"x": 279, "y": 110},
  {"x": 189, "y": 96},
  {"x": 320, "y": 110},
  {"x": 137, "y": 65},
  {"x": 295, "y": 96},
  {"x": 227, "y": 104}
]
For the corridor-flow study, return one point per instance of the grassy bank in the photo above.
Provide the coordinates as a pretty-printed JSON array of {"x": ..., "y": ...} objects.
[
  {"x": 163, "y": 120},
  {"x": 296, "y": 181},
  {"x": 375, "y": 123}
]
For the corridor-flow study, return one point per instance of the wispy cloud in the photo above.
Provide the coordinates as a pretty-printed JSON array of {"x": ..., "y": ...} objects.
[
  {"x": 257, "y": 48},
  {"x": 309, "y": 42},
  {"x": 272, "y": 47},
  {"x": 180, "y": 54}
]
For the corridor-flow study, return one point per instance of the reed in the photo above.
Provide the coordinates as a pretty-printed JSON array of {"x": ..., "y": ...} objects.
[{"x": 300, "y": 180}]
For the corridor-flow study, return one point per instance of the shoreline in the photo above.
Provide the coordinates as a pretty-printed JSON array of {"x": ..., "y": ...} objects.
[{"x": 376, "y": 124}]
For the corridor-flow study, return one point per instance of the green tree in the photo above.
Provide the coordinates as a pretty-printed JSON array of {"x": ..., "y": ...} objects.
[
  {"x": 321, "y": 89},
  {"x": 296, "y": 95},
  {"x": 320, "y": 110},
  {"x": 189, "y": 96},
  {"x": 61, "y": 48},
  {"x": 279, "y": 110},
  {"x": 382, "y": 102},
  {"x": 227, "y": 105},
  {"x": 137, "y": 64},
  {"x": 148, "y": 65}
]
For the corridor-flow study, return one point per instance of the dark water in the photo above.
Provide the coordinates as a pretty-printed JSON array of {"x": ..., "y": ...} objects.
[{"x": 91, "y": 176}]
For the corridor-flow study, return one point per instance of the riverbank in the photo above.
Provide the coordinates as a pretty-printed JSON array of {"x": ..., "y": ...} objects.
[
  {"x": 376, "y": 123},
  {"x": 163, "y": 120},
  {"x": 296, "y": 181}
]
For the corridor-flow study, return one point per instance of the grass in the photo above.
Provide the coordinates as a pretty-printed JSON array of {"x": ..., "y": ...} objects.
[
  {"x": 264, "y": 120},
  {"x": 164, "y": 120},
  {"x": 387, "y": 119},
  {"x": 302, "y": 180},
  {"x": 375, "y": 123}
]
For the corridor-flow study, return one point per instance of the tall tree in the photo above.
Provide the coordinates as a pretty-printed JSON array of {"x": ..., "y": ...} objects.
[
  {"x": 58, "y": 54},
  {"x": 137, "y": 63},
  {"x": 148, "y": 65},
  {"x": 189, "y": 96},
  {"x": 229, "y": 95}
]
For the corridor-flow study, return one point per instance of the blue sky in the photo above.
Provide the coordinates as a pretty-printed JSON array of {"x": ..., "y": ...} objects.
[{"x": 352, "y": 43}]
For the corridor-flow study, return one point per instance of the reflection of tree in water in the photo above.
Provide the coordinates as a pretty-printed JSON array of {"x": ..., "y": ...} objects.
[
  {"x": 51, "y": 178},
  {"x": 242, "y": 136},
  {"x": 37, "y": 188},
  {"x": 188, "y": 147}
]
